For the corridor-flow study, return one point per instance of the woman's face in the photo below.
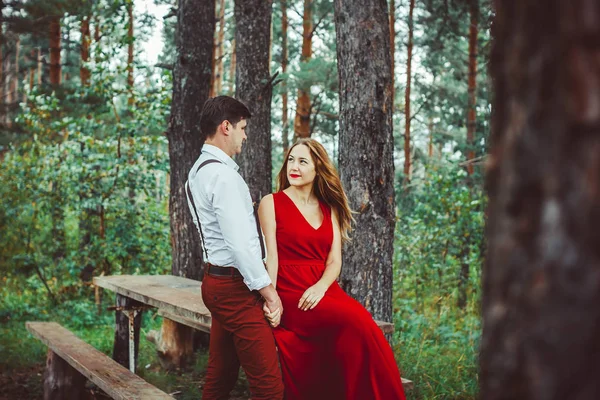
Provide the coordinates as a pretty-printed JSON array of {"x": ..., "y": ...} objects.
[{"x": 300, "y": 166}]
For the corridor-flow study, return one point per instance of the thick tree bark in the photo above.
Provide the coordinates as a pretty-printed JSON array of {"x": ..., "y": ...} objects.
[
  {"x": 61, "y": 381},
  {"x": 471, "y": 112},
  {"x": 55, "y": 66},
  {"x": 541, "y": 279},
  {"x": 284, "y": 64},
  {"x": 393, "y": 50},
  {"x": 407, "y": 155},
  {"x": 366, "y": 150},
  {"x": 253, "y": 87},
  {"x": 84, "y": 72},
  {"x": 191, "y": 86},
  {"x": 302, "y": 119}
]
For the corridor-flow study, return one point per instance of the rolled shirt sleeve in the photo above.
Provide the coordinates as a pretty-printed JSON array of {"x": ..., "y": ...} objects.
[{"x": 232, "y": 205}]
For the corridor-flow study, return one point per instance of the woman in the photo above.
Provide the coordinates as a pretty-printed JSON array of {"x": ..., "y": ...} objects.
[{"x": 329, "y": 346}]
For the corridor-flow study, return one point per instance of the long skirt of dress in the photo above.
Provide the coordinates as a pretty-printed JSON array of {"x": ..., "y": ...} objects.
[{"x": 335, "y": 351}]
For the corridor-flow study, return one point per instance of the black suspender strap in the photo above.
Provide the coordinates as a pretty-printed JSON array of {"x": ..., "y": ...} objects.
[
  {"x": 189, "y": 195},
  {"x": 260, "y": 237},
  {"x": 254, "y": 206}
]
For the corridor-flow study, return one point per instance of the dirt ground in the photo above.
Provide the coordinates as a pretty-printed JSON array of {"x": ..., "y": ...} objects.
[{"x": 26, "y": 384}]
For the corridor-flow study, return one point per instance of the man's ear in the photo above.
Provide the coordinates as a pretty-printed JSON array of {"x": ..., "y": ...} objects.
[{"x": 225, "y": 127}]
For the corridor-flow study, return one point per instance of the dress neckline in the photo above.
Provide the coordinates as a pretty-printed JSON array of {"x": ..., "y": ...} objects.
[{"x": 302, "y": 215}]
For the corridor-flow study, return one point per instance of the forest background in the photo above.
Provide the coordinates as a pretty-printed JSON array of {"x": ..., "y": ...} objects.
[{"x": 85, "y": 168}]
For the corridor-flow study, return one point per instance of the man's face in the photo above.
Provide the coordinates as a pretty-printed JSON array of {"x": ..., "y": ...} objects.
[{"x": 237, "y": 135}]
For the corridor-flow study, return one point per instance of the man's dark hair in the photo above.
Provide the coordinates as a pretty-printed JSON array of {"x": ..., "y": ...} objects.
[{"x": 219, "y": 109}]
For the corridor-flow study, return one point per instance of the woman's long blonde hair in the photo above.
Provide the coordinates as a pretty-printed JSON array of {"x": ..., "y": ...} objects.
[{"x": 327, "y": 185}]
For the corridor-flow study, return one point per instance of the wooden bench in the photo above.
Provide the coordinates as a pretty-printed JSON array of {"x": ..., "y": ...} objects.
[
  {"x": 71, "y": 360},
  {"x": 178, "y": 300}
]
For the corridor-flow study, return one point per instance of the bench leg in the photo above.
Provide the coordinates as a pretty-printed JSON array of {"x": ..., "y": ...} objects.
[
  {"x": 61, "y": 381},
  {"x": 128, "y": 320}
]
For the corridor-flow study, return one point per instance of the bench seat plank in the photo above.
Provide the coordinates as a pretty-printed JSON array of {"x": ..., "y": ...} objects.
[
  {"x": 174, "y": 294},
  {"x": 116, "y": 380}
]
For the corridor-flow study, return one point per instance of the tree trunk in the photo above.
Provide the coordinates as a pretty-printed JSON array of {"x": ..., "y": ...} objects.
[
  {"x": 191, "y": 86},
  {"x": 302, "y": 119},
  {"x": 430, "y": 145},
  {"x": 55, "y": 67},
  {"x": 393, "y": 50},
  {"x": 363, "y": 39},
  {"x": 39, "y": 66},
  {"x": 541, "y": 279},
  {"x": 8, "y": 99},
  {"x": 471, "y": 114},
  {"x": 174, "y": 344},
  {"x": 14, "y": 87},
  {"x": 407, "y": 155},
  {"x": 232, "y": 69},
  {"x": 61, "y": 381},
  {"x": 284, "y": 63},
  {"x": 84, "y": 72},
  {"x": 253, "y": 87},
  {"x": 130, "y": 51},
  {"x": 220, "y": 50}
]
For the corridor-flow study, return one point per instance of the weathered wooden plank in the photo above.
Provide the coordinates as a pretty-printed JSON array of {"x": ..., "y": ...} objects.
[
  {"x": 201, "y": 326},
  {"x": 386, "y": 327},
  {"x": 117, "y": 381},
  {"x": 121, "y": 346},
  {"x": 61, "y": 381},
  {"x": 174, "y": 294}
]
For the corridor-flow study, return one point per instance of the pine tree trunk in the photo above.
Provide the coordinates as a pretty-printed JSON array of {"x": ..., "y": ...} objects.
[
  {"x": 284, "y": 64},
  {"x": 366, "y": 150},
  {"x": 8, "y": 99},
  {"x": 220, "y": 49},
  {"x": 55, "y": 66},
  {"x": 393, "y": 50},
  {"x": 253, "y": 87},
  {"x": 407, "y": 155},
  {"x": 39, "y": 66},
  {"x": 15, "y": 82},
  {"x": 130, "y": 52},
  {"x": 541, "y": 279},
  {"x": 302, "y": 119},
  {"x": 471, "y": 113},
  {"x": 232, "y": 69},
  {"x": 191, "y": 86},
  {"x": 84, "y": 72}
]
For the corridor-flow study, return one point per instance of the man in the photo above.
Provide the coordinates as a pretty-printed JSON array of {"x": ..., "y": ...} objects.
[{"x": 235, "y": 279}]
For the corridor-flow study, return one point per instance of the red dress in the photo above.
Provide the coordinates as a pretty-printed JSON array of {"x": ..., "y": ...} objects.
[{"x": 334, "y": 351}]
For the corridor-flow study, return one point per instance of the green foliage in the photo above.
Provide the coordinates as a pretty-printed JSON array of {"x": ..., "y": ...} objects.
[{"x": 439, "y": 231}]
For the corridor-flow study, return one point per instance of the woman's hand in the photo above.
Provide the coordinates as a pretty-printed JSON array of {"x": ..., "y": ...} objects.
[{"x": 312, "y": 296}]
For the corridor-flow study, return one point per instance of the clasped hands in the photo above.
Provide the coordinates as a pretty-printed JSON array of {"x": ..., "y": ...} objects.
[{"x": 309, "y": 300}]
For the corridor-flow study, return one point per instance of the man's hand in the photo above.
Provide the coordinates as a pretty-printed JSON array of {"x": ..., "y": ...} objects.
[
  {"x": 274, "y": 317},
  {"x": 273, "y": 308}
]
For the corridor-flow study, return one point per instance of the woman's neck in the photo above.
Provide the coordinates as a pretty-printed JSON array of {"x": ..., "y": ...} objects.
[{"x": 303, "y": 194}]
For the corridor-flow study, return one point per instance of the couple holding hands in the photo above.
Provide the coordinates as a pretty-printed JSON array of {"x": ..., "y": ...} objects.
[{"x": 316, "y": 342}]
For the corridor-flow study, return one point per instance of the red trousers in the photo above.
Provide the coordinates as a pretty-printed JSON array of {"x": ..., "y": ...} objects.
[{"x": 239, "y": 335}]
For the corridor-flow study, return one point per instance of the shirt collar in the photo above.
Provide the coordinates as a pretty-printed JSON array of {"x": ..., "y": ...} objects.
[{"x": 220, "y": 155}]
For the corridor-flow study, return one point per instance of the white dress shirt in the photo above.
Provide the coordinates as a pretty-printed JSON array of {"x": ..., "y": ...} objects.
[{"x": 224, "y": 206}]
